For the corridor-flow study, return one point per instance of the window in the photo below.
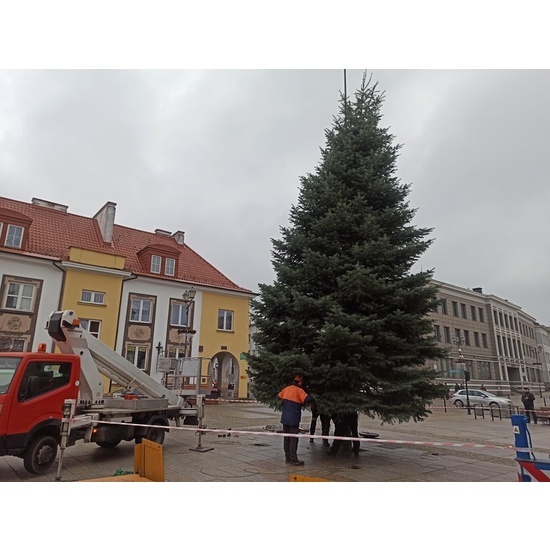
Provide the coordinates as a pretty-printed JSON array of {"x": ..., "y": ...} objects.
[
  {"x": 179, "y": 315},
  {"x": 11, "y": 344},
  {"x": 457, "y": 335},
  {"x": 484, "y": 340},
  {"x": 467, "y": 337},
  {"x": 473, "y": 312},
  {"x": 444, "y": 306},
  {"x": 437, "y": 332},
  {"x": 141, "y": 311},
  {"x": 481, "y": 316},
  {"x": 447, "y": 331},
  {"x": 455, "y": 309},
  {"x": 92, "y": 326},
  {"x": 170, "y": 267},
  {"x": 18, "y": 344},
  {"x": 499, "y": 345},
  {"x": 19, "y": 296},
  {"x": 495, "y": 316},
  {"x": 42, "y": 377},
  {"x": 484, "y": 368},
  {"x": 463, "y": 309},
  {"x": 14, "y": 236},
  {"x": 137, "y": 355},
  {"x": 514, "y": 343},
  {"x": 92, "y": 297},
  {"x": 225, "y": 319},
  {"x": 476, "y": 339},
  {"x": 155, "y": 264},
  {"x": 176, "y": 353}
]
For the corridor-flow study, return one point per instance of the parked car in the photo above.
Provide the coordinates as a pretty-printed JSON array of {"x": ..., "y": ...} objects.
[{"x": 478, "y": 397}]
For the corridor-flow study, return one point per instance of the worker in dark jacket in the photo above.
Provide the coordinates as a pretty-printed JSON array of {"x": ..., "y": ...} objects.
[
  {"x": 294, "y": 397},
  {"x": 345, "y": 425},
  {"x": 325, "y": 424}
]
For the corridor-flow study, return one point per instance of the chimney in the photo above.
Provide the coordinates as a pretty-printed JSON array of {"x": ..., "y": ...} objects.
[
  {"x": 106, "y": 221},
  {"x": 478, "y": 289},
  {"x": 162, "y": 232},
  {"x": 179, "y": 236},
  {"x": 48, "y": 204}
]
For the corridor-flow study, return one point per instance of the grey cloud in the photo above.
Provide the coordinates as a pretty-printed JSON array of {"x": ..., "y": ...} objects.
[{"x": 219, "y": 154}]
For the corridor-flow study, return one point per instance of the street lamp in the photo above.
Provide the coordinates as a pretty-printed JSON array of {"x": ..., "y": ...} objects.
[
  {"x": 462, "y": 365},
  {"x": 538, "y": 351},
  {"x": 160, "y": 351},
  {"x": 188, "y": 299},
  {"x": 159, "y": 348}
]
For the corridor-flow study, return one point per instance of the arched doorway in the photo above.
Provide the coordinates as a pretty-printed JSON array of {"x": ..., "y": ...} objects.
[{"x": 223, "y": 370}]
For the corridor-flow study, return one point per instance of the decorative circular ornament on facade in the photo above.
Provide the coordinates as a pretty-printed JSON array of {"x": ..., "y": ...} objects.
[{"x": 14, "y": 323}]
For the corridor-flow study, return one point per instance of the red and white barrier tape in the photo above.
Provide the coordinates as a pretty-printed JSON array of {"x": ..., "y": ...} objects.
[{"x": 228, "y": 432}]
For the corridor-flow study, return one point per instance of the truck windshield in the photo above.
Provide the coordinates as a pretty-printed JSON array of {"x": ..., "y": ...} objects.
[{"x": 8, "y": 366}]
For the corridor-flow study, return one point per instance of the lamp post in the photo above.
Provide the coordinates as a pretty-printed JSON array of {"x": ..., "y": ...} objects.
[
  {"x": 160, "y": 351},
  {"x": 462, "y": 366},
  {"x": 188, "y": 299},
  {"x": 538, "y": 351}
]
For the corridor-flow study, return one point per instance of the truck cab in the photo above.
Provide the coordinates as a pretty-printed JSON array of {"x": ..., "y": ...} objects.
[
  {"x": 33, "y": 388},
  {"x": 35, "y": 385}
]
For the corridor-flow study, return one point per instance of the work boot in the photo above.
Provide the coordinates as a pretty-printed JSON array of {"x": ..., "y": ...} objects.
[
  {"x": 296, "y": 462},
  {"x": 311, "y": 439}
]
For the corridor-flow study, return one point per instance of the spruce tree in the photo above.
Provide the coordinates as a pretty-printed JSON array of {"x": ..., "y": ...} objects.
[{"x": 345, "y": 310}]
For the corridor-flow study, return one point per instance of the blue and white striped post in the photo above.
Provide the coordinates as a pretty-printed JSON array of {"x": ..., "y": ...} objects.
[{"x": 521, "y": 440}]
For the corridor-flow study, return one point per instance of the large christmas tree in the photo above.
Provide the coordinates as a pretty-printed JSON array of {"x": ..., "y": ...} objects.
[{"x": 345, "y": 311}]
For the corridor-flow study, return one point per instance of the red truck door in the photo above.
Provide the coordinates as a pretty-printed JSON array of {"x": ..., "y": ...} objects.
[{"x": 47, "y": 380}]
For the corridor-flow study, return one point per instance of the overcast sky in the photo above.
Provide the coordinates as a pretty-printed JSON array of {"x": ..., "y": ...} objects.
[{"x": 219, "y": 153}]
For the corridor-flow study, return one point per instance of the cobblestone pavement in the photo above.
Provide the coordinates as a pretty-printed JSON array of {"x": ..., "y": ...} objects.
[{"x": 408, "y": 452}]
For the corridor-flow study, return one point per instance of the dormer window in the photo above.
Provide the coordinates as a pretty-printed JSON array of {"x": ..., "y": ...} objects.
[
  {"x": 170, "y": 267},
  {"x": 159, "y": 260},
  {"x": 155, "y": 264},
  {"x": 14, "y": 236},
  {"x": 14, "y": 229}
]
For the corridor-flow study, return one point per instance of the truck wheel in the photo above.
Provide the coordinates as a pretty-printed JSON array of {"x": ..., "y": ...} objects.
[
  {"x": 40, "y": 454},
  {"x": 159, "y": 426},
  {"x": 155, "y": 434}
]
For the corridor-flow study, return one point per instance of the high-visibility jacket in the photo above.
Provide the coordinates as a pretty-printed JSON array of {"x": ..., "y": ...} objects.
[{"x": 294, "y": 398}]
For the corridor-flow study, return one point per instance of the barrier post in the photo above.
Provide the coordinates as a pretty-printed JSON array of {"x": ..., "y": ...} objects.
[
  {"x": 200, "y": 415},
  {"x": 521, "y": 440},
  {"x": 68, "y": 409},
  {"x": 529, "y": 467}
]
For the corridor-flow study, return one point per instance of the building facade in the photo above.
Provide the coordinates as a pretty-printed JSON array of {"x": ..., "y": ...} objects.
[
  {"x": 126, "y": 286},
  {"x": 500, "y": 345}
]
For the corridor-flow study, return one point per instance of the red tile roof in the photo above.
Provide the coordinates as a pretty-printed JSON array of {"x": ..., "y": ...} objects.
[{"x": 52, "y": 232}]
